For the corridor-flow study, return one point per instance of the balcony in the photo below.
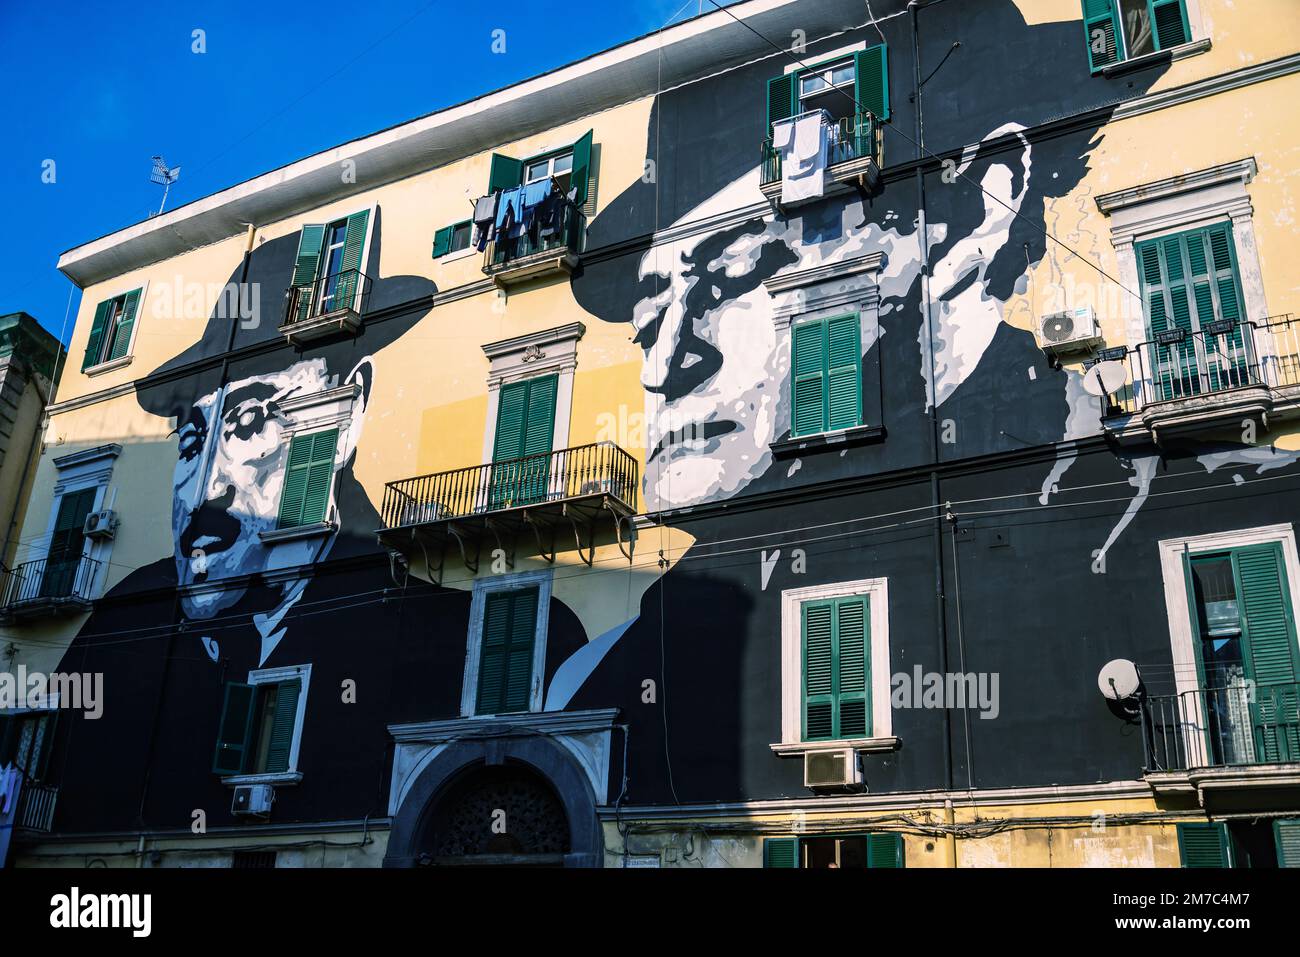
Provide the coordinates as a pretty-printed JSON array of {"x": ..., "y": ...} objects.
[
  {"x": 48, "y": 587},
  {"x": 332, "y": 305},
  {"x": 853, "y": 158},
  {"x": 536, "y": 253},
  {"x": 1196, "y": 383},
  {"x": 1236, "y": 737},
  {"x": 571, "y": 489}
]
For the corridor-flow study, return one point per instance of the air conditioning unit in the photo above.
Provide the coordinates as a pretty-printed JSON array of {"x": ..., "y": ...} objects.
[
  {"x": 597, "y": 486},
  {"x": 832, "y": 769},
  {"x": 100, "y": 524},
  {"x": 1069, "y": 331},
  {"x": 253, "y": 800}
]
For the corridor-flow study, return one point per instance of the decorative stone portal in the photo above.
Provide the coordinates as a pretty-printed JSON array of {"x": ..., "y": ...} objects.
[{"x": 496, "y": 815}]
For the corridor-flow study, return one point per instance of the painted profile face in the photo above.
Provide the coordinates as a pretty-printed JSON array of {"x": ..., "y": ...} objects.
[
  {"x": 714, "y": 360},
  {"x": 232, "y": 457}
]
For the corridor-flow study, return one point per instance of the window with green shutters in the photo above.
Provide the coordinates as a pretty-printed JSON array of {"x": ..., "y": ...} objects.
[
  {"x": 67, "y": 544},
  {"x": 522, "y": 442},
  {"x": 827, "y": 389},
  {"x": 506, "y": 649},
  {"x": 1118, "y": 30},
  {"x": 331, "y": 272},
  {"x": 1191, "y": 281},
  {"x": 111, "y": 329},
  {"x": 571, "y": 166},
  {"x": 843, "y": 86},
  {"x": 26, "y": 739},
  {"x": 452, "y": 239},
  {"x": 836, "y": 668},
  {"x": 308, "y": 478},
  {"x": 257, "y": 728},
  {"x": 874, "y": 850},
  {"x": 1247, "y": 653},
  {"x": 1287, "y": 835},
  {"x": 1203, "y": 844}
]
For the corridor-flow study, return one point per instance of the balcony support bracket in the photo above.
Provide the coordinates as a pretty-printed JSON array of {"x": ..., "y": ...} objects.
[
  {"x": 496, "y": 529},
  {"x": 618, "y": 532},
  {"x": 460, "y": 536},
  {"x": 537, "y": 526},
  {"x": 577, "y": 536}
]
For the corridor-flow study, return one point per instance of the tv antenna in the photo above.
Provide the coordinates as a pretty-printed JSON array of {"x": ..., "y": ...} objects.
[{"x": 164, "y": 176}]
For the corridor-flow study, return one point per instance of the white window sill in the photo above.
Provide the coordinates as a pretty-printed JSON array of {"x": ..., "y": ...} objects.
[
  {"x": 459, "y": 254},
  {"x": 277, "y": 778},
  {"x": 315, "y": 530},
  {"x": 1180, "y": 52},
  {"x": 109, "y": 366},
  {"x": 797, "y": 749}
]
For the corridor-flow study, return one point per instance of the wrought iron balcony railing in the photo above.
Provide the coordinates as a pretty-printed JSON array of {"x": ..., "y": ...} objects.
[
  {"x": 541, "y": 238},
  {"x": 338, "y": 292},
  {"x": 1240, "y": 723},
  {"x": 1220, "y": 357},
  {"x": 49, "y": 581},
  {"x": 587, "y": 470},
  {"x": 851, "y": 138}
]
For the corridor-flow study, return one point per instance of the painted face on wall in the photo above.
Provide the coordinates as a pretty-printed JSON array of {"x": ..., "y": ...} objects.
[
  {"x": 714, "y": 360},
  {"x": 232, "y": 456}
]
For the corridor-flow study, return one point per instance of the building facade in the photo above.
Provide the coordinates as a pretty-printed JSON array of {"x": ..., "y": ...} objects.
[{"x": 835, "y": 438}]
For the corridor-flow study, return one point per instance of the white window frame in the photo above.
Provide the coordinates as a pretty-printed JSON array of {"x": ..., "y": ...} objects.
[
  {"x": 550, "y": 166},
  {"x": 541, "y": 580},
  {"x": 290, "y": 775},
  {"x": 78, "y": 471},
  {"x": 107, "y": 365},
  {"x": 1178, "y": 603},
  {"x": 876, "y": 591}
]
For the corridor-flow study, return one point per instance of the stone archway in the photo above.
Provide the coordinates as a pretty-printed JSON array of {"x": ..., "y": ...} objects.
[{"x": 549, "y": 806}]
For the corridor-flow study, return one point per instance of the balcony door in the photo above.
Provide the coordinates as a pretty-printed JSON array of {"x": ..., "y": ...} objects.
[
  {"x": 67, "y": 545},
  {"x": 521, "y": 449},
  {"x": 1245, "y": 627},
  {"x": 1192, "y": 294}
]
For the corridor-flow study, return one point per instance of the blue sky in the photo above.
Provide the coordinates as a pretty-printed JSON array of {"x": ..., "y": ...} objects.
[{"x": 99, "y": 88}]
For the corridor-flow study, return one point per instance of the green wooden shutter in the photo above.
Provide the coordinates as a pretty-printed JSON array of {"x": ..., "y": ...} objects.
[
  {"x": 307, "y": 479},
  {"x": 1103, "y": 46},
  {"x": 67, "y": 544},
  {"x": 539, "y": 428},
  {"x": 1169, "y": 307},
  {"x": 442, "y": 241},
  {"x": 505, "y": 172},
  {"x": 235, "y": 730},
  {"x": 284, "y": 721},
  {"x": 836, "y": 671},
  {"x": 781, "y": 852},
  {"x": 125, "y": 323},
  {"x": 809, "y": 371},
  {"x": 581, "y": 177},
  {"x": 884, "y": 850},
  {"x": 1286, "y": 834},
  {"x": 780, "y": 99},
  {"x": 354, "y": 245},
  {"x": 1203, "y": 844},
  {"x": 525, "y": 427},
  {"x": 307, "y": 263},
  {"x": 852, "y": 689},
  {"x": 872, "y": 69},
  {"x": 97, "y": 329},
  {"x": 1271, "y": 639},
  {"x": 512, "y": 406},
  {"x": 843, "y": 373},
  {"x": 506, "y": 653},
  {"x": 48, "y": 724},
  {"x": 1169, "y": 19},
  {"x": 818, "y": 670}
]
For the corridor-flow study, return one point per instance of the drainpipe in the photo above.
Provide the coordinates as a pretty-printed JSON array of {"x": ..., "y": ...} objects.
[{"x": 923, "y": 236}]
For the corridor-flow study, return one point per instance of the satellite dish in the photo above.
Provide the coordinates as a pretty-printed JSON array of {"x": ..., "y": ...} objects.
[
  {"x": 1105, "y": 378},
  {"x": 1119, "y": 679}
]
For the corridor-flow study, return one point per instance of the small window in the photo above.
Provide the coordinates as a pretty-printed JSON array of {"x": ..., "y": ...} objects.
[
  {"x": 827, "y": 391},
  {"x": 452, "y": 239},
  {"x": 1118, "y": 30},
  {"x": 830, "y": 88},
  {"x": 259, "y": 727},
  {"x": 850, "y": 852},
  {"x": 308, "y": 479},
  {"x": 110, "y": 331},
  {"x": 25, "y": 742},
  {"x": 836, "y": 669},
  {"x": 560, "y": 166}
]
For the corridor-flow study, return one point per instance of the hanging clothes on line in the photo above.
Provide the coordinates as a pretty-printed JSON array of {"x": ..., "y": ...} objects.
[
  {"x": 485, "y": 215},
  {"x": 803, "y": 144}
]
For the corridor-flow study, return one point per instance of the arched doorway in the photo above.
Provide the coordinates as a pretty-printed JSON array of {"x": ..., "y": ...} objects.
[{"x": 506, "y": 815}]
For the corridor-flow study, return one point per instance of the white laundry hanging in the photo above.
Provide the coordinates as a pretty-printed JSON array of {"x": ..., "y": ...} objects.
[{"x": 803, "y": 144}]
